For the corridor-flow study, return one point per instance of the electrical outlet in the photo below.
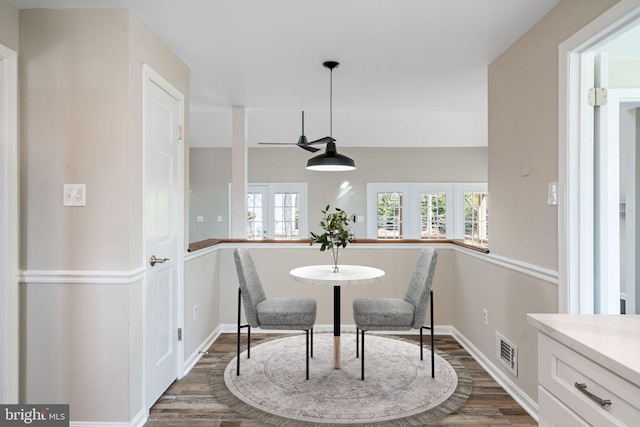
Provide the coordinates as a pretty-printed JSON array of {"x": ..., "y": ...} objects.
[
  {"x": 485, "y": 317},
  {"x": 195, "y": 312}
]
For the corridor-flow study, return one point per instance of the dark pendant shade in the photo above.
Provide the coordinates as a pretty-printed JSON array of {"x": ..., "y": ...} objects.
[{"x": 331, "y": 161}]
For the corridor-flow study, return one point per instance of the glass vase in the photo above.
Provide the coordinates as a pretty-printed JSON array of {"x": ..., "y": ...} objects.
[{"x": 335, "y": 253}]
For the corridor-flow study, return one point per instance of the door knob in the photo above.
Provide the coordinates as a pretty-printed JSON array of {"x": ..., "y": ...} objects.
[{"x": 153, "y": 260}]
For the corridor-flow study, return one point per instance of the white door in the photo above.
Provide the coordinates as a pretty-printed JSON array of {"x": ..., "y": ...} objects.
[{"x": 162, "y": 230}]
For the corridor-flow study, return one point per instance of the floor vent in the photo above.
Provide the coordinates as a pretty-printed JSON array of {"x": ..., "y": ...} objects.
[{"x": 507, "y": 353}]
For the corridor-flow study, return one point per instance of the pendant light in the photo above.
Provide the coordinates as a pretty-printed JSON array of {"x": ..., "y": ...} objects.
[{"x": 331, "y": 160}]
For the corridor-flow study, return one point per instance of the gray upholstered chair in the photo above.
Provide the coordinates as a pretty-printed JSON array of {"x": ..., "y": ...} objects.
[
  {"x": 397, "y": 314},
  {"x": 269, "y": 313}
]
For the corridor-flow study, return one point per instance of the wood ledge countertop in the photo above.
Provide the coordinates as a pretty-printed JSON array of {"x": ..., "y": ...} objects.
[{"x": 203, "y": 244}]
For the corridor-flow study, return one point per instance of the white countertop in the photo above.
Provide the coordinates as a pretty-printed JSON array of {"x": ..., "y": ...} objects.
[
  {"x": 612, "y": 341},
  {"x": 346, "y": 276}
]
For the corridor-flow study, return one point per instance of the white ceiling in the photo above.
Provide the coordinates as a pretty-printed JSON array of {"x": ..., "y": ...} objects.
[{"x": 412, "y": 73}]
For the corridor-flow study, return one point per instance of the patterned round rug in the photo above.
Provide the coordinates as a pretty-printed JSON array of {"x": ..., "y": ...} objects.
[{"x": 398, "y": 388}]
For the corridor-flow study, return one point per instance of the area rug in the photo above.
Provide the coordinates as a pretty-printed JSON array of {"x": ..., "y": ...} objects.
[{"x": 398, "y": 389}]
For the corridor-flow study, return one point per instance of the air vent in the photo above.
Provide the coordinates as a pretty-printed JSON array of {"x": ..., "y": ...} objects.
[{"x": 507, "y": 353}]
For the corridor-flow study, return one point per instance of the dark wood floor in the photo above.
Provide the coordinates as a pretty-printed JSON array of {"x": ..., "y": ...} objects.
[{"x": 190, "y": 403}]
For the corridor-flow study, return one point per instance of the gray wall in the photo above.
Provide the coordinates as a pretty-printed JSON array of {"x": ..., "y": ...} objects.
[
  {"x": 274, "y": 265},
  {"x": 9, "y": 25},
  {"x": 523, "y": 123},
  {"x": 210, "y": 175},
  {"x": 201, "y": 289},
  {"x": 209, "y": 178}
]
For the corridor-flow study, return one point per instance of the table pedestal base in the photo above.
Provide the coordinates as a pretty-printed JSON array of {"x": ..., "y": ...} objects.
[{"x": 348, "y": 275}]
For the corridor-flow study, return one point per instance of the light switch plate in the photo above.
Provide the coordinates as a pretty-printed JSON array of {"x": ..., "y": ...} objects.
[
  {"x": 74, "y": 195},
  {"x": 199, "y": 218},
  {"x": 552, "y": 194}
]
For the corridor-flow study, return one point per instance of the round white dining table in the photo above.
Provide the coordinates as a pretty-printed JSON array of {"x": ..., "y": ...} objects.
[{"x": 348, "y": 275}]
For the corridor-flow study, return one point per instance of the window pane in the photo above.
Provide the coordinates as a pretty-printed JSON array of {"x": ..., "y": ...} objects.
[
  {"x": 433, "y": 216},
  {"x": 389, "y": 215},
  {"x": 286, "y": 207},
  {"x": 476, "y": 217},
  {"x": 255, "y": 218}
]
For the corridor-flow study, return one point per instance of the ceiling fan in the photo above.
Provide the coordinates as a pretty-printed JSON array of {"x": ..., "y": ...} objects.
[{"x": 302, "y": 141}]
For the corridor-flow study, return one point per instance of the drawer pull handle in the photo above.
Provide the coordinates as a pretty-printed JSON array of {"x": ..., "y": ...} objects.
[{"x": 583, "y": 388}]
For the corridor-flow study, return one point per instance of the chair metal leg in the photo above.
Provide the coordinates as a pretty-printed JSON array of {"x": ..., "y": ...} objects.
[
  {"x": 357, "y": 342},
  {"x": 248, "y": 334},
  {"x": 362, "y": 360},
  {"x": 238, "y": 353},
  {"x": 307, "y": 354},
  {"x": 311, "y": 342},
  {"x": 433, "y": 363}
]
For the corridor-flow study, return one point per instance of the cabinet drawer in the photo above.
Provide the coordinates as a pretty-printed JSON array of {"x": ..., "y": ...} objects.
[
  {"x": 554, "y": 413},
  {"x": 560, "y": 368}
]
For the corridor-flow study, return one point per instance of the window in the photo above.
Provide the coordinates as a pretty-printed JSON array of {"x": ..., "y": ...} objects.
[
  {"x": 433, "y": 215},
  {"x": 389, "y": 218},
  {"x": 476, "y": 217},
  {"x": 428, "y": 211},
  {"x": 276, "y": 211},
  {"x": 286, "y": 211}
]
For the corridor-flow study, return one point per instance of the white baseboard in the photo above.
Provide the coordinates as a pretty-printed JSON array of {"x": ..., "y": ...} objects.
[
  {"x": 99, "y": 424},
  {"x": 139, "y": 420},
  {"x": 196, "y": 355},
  {"x": 505, "y": 382}
]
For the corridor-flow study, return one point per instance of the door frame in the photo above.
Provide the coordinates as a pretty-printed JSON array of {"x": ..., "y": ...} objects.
[
  {"x": 150, "y": 75},
  {"x": 575, "y": 177},
  {"x": 10, "y": 323}
]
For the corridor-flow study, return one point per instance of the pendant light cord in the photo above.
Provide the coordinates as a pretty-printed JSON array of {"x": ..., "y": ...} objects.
[{"x": 331, "y": 103}]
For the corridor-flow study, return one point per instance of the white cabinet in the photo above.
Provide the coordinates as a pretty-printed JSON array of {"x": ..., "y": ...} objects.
[{"x": 588, "y": 370}]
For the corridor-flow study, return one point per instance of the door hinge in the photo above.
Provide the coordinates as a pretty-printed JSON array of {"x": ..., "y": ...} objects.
[
  {"x": 179, "y": 334},
  {"x": 179, "y": 132},
  {"x": 597, "y": 96}
]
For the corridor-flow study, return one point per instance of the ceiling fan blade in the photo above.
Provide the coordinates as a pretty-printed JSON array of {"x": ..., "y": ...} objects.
[
  {"x": 308, "y": 148},
  {"x": 302, "y": 141},
  {"x": 322, "y": 140}
]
